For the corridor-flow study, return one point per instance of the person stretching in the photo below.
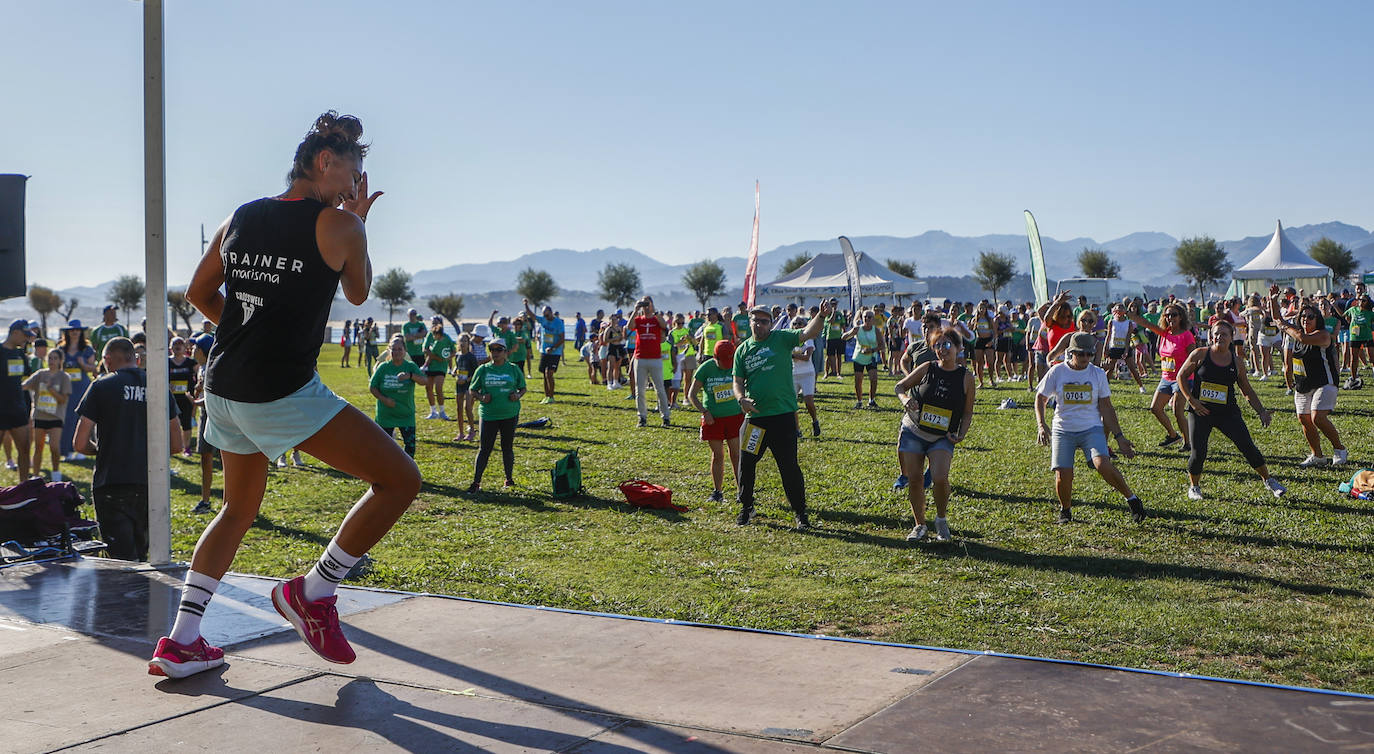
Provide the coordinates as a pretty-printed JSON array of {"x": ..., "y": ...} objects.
[{"x": 1208, "y": 381}]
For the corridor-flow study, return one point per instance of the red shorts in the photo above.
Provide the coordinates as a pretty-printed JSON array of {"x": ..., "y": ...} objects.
[{"x": 722, "y": 428}]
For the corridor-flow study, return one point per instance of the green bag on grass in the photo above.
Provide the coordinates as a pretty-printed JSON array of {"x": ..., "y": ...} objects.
[{"x": 567, "y": 476}]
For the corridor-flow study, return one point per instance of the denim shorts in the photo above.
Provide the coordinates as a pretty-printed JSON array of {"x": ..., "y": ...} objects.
[
  {"x": 270, "y": 428},
  {"x": 1063, "y": 445},
  {"x": 910, "y": 442},
  {"x": 1167, "y": 387}
]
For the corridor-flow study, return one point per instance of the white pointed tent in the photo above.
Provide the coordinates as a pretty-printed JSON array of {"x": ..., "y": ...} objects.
[
  {"x": 824, "y": 275},
  {"x": 1281, "y": 263}
]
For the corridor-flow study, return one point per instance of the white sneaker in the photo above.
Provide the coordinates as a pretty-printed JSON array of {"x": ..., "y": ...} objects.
[
  {"x": 432, "y": 413},
  {"x": 443, "y": 415},
  {"x": 1339, "y": 457},
  {"x": 1314, "y": 460},
  {"x": 1194, "y": 492},
  {"x": 1263, "y": 377},
  {"x": 296, "y": 459},
  {"x": 281, "y": 461},
  {"x": 917, "y": 533},
  {"x": 11, "y": 465},
  {"x": 1275, "y": 487},
  {"x": 78, "y": 457},
  {"x": 942, "y": 530}
]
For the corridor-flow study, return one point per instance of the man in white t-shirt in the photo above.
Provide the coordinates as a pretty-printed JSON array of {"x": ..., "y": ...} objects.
[{"x": 1083, "y": 406}]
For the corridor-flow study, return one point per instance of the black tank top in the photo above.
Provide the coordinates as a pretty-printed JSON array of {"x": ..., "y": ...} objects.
[
  {"x": 1312, "y": 367},
  {"x": 182, "y": 378},
  {"x": 1215, "y": 386},
  {"x": 278, "y": 291},
  {"x": 941, "y": 395}
]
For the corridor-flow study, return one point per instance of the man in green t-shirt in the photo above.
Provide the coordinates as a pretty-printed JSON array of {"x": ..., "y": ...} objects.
[
  {"x": 393, "y": 385},
  {"x": 497, "y": 387},
  {"x": 740, "y": 323},
  {"x": 108, "y": 330},
  {"x": 414, "y": 332},
  {"x": 765, "y": 391}
]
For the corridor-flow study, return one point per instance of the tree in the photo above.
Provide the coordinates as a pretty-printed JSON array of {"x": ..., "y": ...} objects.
[
  {"x": 45, "y": 301},
  {"x": 1095, "y": 263},
  {"x": 180, "y": 307},
  {"x": 70, "y": 309},
  {"x": 907, "y": 269},
  {"x": 449, "y": 306},
  {"x": 705, "y": 279},
  {"x": 535, "y": 285},
  {"x": 1335, "y": 255},
  {"x": 1202, "y": 262},
  {"x": 993, "y": 271},
  {"x": 619, "y": 283},
  {"x": 127, "y": 294},
  {"x": 393, "y": 289},
  {"x": 792, "y": 263}
]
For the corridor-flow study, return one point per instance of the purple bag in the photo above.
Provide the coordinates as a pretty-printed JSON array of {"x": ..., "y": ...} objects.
[{"x": 35, "y": 510}]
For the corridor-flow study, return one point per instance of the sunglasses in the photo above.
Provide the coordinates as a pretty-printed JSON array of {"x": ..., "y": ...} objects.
[{"x": 944, "y": 344}]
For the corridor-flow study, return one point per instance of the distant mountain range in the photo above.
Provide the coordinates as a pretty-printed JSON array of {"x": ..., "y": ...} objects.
[{"x": 1146, "y": 257}]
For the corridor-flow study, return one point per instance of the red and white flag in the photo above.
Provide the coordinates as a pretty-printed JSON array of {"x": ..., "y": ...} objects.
[{"x": 751, "y": 270}]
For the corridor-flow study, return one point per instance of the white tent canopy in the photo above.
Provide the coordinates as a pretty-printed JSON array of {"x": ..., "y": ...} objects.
[
  {"x": 1281, "y": 263},
  {"x": 824, "y": 275}
]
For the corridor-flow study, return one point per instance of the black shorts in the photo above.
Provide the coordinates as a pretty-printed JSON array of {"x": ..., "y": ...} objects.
[
  {"x": 1018, "y": 353},
  {"x": 46, "y": 424},
  {"x": 1116, "y": 353},
  {"x": 1003, "y": 345},
  {"x": 519, "y": 364},
  {"x": 548, "y": 362},
  {"x": 1362, "y": 344},
  {"x": 433, "y": 373},
  {"x": 982, "y": 344},
  {"x": 616, "y": 351},
  {"x": 202, "y": 445},
  {"x": 418, "y": 358},
  {"x": 186, "y": 410},
  {"x": 871, "y": 366},
  {"x": 834, "y": 347},
  {"x": 14, "y": 418}
]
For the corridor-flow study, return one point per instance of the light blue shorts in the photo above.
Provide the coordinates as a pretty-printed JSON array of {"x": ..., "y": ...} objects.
[
  {"x": 270, "y": 428},
  {"x": 1167, "y": 387},
  {"x": 910, "y": 442},
  {"x": 1063, "y": 445}
]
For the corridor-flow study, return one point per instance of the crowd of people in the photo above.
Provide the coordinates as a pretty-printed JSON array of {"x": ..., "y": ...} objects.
[{"x": 742, "y": 370}]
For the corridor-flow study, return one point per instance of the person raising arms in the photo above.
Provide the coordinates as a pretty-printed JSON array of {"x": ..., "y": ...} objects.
[
  {"x": 1175, "y": 343},
  {"x": 315, "y": 237},
  {"x": 1314, "y": 369},
  {"x": 1208, "y": 381}
]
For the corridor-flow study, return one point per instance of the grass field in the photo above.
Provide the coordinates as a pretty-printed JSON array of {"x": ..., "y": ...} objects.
[{"x": 1237, "y": 585}]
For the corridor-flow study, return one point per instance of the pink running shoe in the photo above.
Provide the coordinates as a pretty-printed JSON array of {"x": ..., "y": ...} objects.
[
  {"x": 180, "y": 660},
  {"x": 317, "y": 622}
]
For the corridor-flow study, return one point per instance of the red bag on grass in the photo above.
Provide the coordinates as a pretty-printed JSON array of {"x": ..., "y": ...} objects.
[{"x": 642, "y": 494}]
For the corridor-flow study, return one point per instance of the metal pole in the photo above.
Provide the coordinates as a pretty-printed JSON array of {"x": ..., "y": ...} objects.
[{"x": 155, "y": 253}]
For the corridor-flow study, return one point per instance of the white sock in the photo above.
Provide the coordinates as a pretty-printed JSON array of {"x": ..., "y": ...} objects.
[
  {"x": 195, "y": 596},
  {"x": 331, "y": 569}
]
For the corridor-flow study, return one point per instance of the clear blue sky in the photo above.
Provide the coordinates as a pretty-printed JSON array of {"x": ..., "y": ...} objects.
[{"x": 504, "y": 128}]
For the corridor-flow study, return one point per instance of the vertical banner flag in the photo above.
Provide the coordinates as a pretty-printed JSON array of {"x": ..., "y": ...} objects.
[
  {"x": 1038, "y": 282},
  {"x": 751, "y": 270},
  {"x": 851, "y": 272}
]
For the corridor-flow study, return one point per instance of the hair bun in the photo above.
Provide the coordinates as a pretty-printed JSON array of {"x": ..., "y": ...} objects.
[{"x": 344, "y": 125}]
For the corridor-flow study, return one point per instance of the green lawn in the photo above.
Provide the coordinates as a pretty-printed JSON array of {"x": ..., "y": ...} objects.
[{"x": 1238, "y": 585}]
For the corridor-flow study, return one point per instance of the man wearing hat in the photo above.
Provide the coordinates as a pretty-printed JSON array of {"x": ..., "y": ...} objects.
[
  {"x": 414, "y": 331},
  {"x": 14, "y": 406},
  {"x": 1083, "y": 413},
  {"x": 107, "y": 330},
  {"x": 765, "y": 391}
]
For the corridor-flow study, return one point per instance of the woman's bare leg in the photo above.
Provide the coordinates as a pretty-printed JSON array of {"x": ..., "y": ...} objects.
[
  {"x": 355, "y": 445},
  {"x": 245, "y": 481}
]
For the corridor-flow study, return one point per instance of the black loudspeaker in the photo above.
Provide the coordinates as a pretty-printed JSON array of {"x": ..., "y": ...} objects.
[{"x": 12, "y": 278}]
